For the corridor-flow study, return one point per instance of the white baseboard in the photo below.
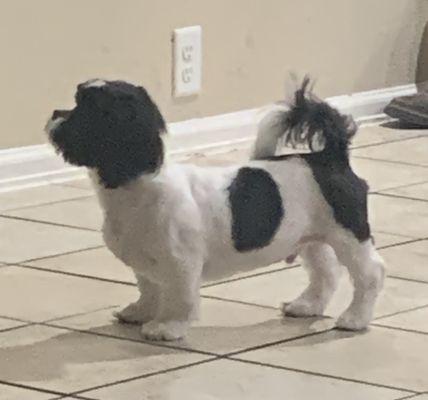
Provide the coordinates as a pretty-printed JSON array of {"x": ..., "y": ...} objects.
[{"x": 31, "y": 166}]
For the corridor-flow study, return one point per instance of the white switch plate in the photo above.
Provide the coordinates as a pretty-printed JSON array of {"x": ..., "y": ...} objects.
[{"x": 187, "y": 44}]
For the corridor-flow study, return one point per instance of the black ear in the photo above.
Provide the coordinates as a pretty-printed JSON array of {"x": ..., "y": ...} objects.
[
  {"x": 155, "y": 115},
  {"x": 124, "y": 161}
]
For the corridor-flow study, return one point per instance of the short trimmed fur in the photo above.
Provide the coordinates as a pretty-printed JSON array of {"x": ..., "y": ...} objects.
[{"x": 176, "y": 224}]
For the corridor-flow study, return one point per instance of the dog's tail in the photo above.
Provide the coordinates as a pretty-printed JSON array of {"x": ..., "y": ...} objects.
[{"x": 308, "y": 121}]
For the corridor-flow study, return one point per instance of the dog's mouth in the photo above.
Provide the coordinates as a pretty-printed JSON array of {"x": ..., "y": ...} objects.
[{"x": 61, "y": 114}]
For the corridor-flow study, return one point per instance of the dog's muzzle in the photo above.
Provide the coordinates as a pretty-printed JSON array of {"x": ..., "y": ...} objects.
[
  {"x": 61, "y": 114},
  {"x": 58, "y": 117}
]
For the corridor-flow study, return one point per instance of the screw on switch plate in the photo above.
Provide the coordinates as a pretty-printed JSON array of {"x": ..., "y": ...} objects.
[{"x": 187, "y": 60}]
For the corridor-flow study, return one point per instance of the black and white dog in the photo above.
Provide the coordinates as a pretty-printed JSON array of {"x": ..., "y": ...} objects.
[{"x": 176, "y": 224}]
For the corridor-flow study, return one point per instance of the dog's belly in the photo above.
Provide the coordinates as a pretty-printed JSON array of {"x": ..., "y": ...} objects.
[{"x": 226, "y": 263}]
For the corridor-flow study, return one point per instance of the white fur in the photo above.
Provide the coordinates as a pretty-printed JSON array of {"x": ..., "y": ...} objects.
[
  {"x": 173, "y": 229},
  {"x": 95, "y": 83}
]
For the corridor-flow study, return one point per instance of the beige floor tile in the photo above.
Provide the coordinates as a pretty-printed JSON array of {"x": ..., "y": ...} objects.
[
  {"x": 8, "y": 323},
  {"x": 284, "y": 286},
  {"x": 414, "y": 320},
  {"x": 15, "y": 393},
  {"x": 398, "y": 216},
  {"x": 37, "y": 295},
  {"x": 385, "y": 175},
  {"x": 24, "y": 240},
  {"x": 224, "y": 327},
  {"x": 38, "y": 195},
  {"x": 419, "y": 191},
  {"x": 60, "y": 360},
  {"x": 413, "y": 151},
  {"x": 408, "y": 261},
  {"x": 382, "y": 356},
  {"x": 85, "y": 213},
  {"x": 375, "y": 134},
  {"x": 95, "y": 262},
  {"x": 232, "y": 380}
]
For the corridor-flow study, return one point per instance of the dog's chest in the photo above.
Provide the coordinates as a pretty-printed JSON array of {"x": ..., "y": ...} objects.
[{"x": 127, "y": 232}]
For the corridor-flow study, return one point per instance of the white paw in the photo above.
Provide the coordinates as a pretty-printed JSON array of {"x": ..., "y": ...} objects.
[
  {"x": 351, "y": 322},
  {"x": 301, "y": 308},
  {"x": 168, "y": 330},
  {"x": 132, "y": 314}
]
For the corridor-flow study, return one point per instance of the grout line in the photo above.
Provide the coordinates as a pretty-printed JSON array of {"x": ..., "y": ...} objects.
[
  {"x": 400, "y": 312},
  {"x": 33, "y": 388},
  {"x": 396, "y": 328},
  {"x": 63, "y": 254},
  {"x": 148, "y": 375},
  {"x": 245, "y": 303},
  {"x": 277, "y": 342},
  {"x": 387, "y": 246},
  {"x": 375, "y": 231},
  {"x": 48, "y": 223},
  {"x": 401, "y": 278},
  {"x": 390, "y": 161},
  {"x": 374, "y": 144},
  {"x": 48, "y": 203},
  {"x": 208, "y": 285},
  {"x": 399, "y": 196},
  {"x": 405, "y": 185},
  {"x": 79, "y": 314},
  {"x": 54, "y": 271},
  {"x": 320, "y": 374},
  {"x": 411, "y": 396},
  {"x": 12, "y": 328},
  {"x": 16, "y": 319},
  {"x": 73, "y": 397}
]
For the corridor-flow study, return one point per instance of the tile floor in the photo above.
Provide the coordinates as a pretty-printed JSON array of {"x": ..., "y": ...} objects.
[{"x": 59, "y": 286}]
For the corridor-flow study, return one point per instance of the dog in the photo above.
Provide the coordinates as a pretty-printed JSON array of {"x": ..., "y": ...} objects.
[{"x": 178, "y": 224}]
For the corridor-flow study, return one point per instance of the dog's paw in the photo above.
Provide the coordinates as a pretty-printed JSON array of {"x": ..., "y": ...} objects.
[
  {"x": 350, "y": 322},
  {"x": 132, "y": 314},
  {"x": 168, "y": 330},
  {"x": 301, "y": 308}
]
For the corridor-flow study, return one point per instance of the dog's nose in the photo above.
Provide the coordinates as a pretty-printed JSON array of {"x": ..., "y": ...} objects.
[{"x": 61, "y": 114}]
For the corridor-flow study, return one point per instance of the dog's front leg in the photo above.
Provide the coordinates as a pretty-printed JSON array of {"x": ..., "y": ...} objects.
[
  {"x": 178, "y": 306},
  {"x": 145, "y": 308}
]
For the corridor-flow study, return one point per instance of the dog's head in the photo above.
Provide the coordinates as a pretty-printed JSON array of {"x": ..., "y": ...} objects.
[{"x": 115, "y": 129}]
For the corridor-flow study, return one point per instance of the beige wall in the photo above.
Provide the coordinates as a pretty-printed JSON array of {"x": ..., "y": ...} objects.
[{"x": 47, "y": 46}]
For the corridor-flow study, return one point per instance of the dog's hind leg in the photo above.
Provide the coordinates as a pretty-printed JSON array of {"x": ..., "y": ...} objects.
[
  {"x": 366, "y": 268},
  {"x": 145, "y": 308},
  {"x": 324, "y": 270}
]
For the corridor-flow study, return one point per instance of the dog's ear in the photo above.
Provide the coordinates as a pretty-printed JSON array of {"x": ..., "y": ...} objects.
[
  {"x": 122, "y": 161},
  {"x": 156, "y": 116},
  {"x": 132, "y": 144}
]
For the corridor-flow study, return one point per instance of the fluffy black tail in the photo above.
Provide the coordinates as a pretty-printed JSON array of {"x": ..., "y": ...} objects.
[{"x": 308, "y": 121}]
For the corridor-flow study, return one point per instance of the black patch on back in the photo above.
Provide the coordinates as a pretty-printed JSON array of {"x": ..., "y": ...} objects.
[
  {"x": 344, "y": 191},
  {"x": 257, "y": 209}
]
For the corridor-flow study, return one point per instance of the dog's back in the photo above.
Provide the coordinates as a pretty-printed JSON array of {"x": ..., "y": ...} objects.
[{"x": 312, "y": 122}]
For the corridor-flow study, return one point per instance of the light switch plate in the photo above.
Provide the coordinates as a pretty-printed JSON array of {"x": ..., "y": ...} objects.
[{"x": 187, "y": 44}]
